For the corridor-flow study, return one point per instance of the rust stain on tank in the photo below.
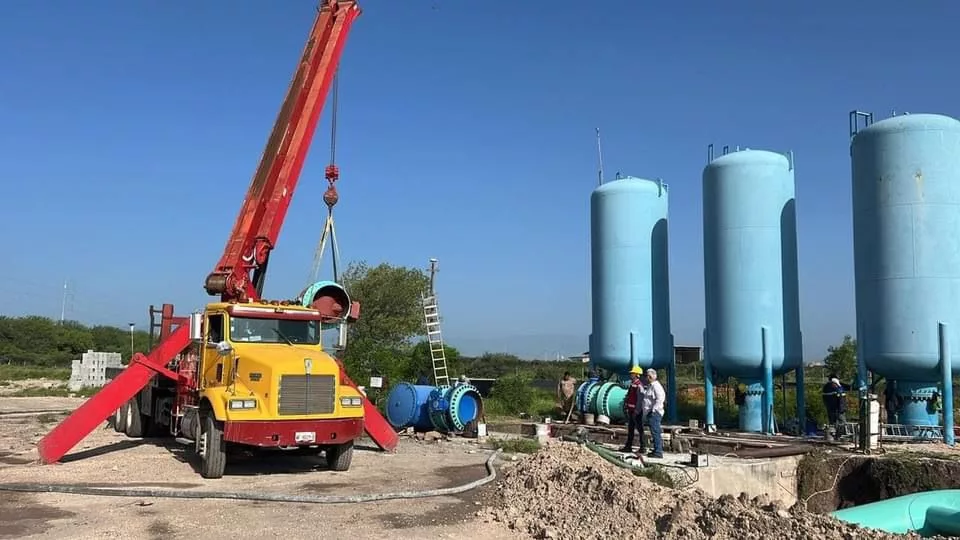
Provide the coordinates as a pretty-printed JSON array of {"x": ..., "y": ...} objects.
[{"x": 918, "y": 182}]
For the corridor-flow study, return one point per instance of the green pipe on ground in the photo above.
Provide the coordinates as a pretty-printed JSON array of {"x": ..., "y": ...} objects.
[{"x": 929, "y": 513}]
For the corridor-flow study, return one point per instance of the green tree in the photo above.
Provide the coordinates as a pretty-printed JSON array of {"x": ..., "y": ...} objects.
[
  {"x": 391, "y": 315},
  {"x": 841, "y": 360},
  {"x": 420, "y": 362},
  {"x": 40, "y": 341}
]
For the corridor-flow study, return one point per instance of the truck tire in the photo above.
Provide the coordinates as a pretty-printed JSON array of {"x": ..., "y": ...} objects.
[
  {"x": 213, "y": 456},
  {"x": 339, "y": 456},
  {"x": 134, "y": 424},
  {"x": 121, "y": 418}
]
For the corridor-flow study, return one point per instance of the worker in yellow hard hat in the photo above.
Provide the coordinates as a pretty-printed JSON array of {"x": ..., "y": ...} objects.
[{"x": 632, "y": 404}]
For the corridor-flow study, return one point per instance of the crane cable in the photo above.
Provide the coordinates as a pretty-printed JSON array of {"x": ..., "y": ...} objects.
[{"x": 330, "y": 197}]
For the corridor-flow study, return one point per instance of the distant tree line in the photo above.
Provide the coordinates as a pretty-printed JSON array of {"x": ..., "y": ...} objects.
[{"x": 43, "y": 342}]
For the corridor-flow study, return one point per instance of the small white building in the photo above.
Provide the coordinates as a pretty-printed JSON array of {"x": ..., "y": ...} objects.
[{"x": 91, "y": 369}]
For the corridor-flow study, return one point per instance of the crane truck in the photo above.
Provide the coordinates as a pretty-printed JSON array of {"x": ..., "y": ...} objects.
[{"x": 246, "y": 371}]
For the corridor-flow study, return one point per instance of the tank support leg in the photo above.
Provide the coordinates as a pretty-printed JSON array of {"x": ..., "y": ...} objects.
[
  {"x": 708, "y": 385},
  {"x": 767, "y": 399},
  {"x": 862, "y": 372},
  {"x": 946, "y": 372},
  {"x": 801, "y": 399},
  {"x": 672, "y": 415}
]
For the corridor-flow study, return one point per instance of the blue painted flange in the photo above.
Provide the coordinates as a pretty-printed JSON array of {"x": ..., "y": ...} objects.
[
  {"x": 459, "y": 397},
  {"x": 438, "y": 409}
]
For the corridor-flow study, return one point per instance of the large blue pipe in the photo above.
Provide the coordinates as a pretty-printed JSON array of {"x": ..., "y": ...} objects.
[{"x": 445, "y": 408}]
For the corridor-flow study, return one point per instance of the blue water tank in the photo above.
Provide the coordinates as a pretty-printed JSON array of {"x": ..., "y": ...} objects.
[
  {"x": 750, "y": 263},
  {"x": 630, "y": 275},
  {"x": 906, "y": 243},
  {"x": 750, "y": 271}
]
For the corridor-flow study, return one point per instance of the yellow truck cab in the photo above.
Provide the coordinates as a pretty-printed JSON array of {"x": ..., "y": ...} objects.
[
  {"x": 264, "y": 380},
  {"x": 256, "y": 376}
]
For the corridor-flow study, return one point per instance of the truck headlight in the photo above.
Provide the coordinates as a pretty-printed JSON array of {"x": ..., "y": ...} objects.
[
  {"x": 351, "y": 402},
  {"x": 243, "y": 404}
]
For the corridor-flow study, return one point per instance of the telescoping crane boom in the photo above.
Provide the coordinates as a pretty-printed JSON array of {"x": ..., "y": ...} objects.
[{"x": 239, "y": 274}]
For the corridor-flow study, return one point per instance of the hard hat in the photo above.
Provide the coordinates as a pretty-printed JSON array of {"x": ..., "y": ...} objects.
[{"x": 636, "y": 370}]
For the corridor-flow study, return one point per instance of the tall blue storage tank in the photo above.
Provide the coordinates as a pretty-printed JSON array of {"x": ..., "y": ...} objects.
[
  {"x": 630, "y": 275},
  {"x": 906, "y": 243},
  {"x": 750, "y": 276}
]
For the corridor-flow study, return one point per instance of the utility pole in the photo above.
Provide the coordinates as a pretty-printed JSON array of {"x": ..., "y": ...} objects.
[
  {"x": 131, "y": 340},
  {"x": 63, "y": 304},
  {"x": 433, "y": 274}
]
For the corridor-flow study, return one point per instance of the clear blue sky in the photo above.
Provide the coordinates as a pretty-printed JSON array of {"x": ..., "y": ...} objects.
[{"x": 129, "y": 132}]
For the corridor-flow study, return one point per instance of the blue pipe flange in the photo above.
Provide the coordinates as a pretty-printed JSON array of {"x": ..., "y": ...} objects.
[
  {"x": 439, "y": 407},
  {"x": 603, "y": 398},
  {"x": 592, "y": 398},
  {"x": 583, "y": 396},
  {"x": 455, "y": 397}
]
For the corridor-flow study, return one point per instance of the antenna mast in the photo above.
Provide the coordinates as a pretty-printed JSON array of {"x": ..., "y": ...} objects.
[{"x": 600, "y": 159}]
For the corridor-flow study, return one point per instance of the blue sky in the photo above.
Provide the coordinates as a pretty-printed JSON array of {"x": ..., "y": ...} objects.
[{"x": 130, "y": 131}]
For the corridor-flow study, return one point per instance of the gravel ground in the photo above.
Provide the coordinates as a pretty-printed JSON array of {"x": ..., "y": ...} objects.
[{"x": 106, "y": 458}]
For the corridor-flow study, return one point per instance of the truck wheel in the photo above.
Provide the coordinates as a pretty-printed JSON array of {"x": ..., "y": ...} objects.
[
  {"x": 120, "y": 419},
  {"x": 339, "y": 456},
  {"x": 134, "y": 424},
  {"x": 213, "y": 449}
]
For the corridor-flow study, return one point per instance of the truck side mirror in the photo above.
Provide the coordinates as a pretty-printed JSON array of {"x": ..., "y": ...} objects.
[{"x": 224, "y": 348}]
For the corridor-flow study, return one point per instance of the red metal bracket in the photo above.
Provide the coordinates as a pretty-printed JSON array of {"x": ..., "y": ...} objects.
[
  {"x": 104, "y": 403},
  {"x": 376, "y": 426}
]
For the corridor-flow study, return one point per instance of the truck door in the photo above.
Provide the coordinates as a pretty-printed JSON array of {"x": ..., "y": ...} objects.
[{"x": 212, "y": 366}]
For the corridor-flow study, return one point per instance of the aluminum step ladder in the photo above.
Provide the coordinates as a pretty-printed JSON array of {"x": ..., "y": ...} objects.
[{"x": 431, "y": 317}]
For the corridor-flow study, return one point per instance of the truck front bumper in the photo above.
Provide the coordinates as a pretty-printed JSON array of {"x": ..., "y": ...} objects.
[{"x": 274, "y": 433}]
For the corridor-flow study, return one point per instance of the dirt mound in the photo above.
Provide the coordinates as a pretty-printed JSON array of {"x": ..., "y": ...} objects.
[{"x": 567, "y": 491}]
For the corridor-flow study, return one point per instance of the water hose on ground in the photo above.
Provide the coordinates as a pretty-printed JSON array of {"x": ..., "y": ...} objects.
[
  {"x": 614, "y": 458},
  {"x": 78, "y": 489}
]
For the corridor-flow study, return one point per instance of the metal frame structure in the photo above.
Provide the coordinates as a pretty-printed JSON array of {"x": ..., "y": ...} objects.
[{"x": 240, "y": 273}]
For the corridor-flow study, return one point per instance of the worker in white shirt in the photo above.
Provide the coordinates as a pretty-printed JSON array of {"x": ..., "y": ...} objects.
[{"x": 653, "y": 399}]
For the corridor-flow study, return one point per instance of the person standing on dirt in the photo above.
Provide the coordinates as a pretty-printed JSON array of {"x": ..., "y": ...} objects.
[
  {"x": 634, "y": 409},
  {"x": 892, "y": 402},
  {"x": 835, "y": 400},
  {"x": 654, "y": 398},
  {"x": 566, "y": 388}
]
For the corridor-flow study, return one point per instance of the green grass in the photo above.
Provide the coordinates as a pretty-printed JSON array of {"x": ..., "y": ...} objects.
[
  {"x": 541, "y": 404},
  {"x": 515, "y": 446},
  {"x": 19, "y": 373}
]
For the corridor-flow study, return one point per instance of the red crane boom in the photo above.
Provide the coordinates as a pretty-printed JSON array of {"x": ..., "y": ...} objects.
[
  {"x": 258, "y": 225},
  {"x": 239, "y": 274}
]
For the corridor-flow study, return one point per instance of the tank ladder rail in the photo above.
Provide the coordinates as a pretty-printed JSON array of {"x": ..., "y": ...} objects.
[
  {"x": 108, "y": 399},
  {"x": 431, "y": 317},
  {"x": 906, "y": 432}
]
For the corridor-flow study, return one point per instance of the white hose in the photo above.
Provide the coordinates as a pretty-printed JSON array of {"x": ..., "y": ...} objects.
[{"x": 79, "y": 489}]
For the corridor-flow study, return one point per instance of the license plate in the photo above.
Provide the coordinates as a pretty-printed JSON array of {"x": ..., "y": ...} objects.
[{"x": 305, "y": 437}]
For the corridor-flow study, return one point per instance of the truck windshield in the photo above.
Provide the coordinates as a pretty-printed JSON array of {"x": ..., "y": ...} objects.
[{"x": 255, "y": 330}]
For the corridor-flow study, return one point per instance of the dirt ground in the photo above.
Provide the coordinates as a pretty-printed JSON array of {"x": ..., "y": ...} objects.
[
  {"x": 8, "y": 388},
  {"x": 109, "y": 459}
]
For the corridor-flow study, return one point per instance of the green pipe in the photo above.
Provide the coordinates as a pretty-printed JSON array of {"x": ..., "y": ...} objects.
[
  {"x": 610, "y": 402},
  {"x": 608, "y": 455},
  {"x": 929, "y": 513}
]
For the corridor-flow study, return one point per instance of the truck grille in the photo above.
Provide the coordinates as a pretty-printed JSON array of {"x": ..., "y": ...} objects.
[{"x": 307, "y": 394}]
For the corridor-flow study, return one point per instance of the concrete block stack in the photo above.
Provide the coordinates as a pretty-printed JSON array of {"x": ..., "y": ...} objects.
[{"x": 91, "y": 370}]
